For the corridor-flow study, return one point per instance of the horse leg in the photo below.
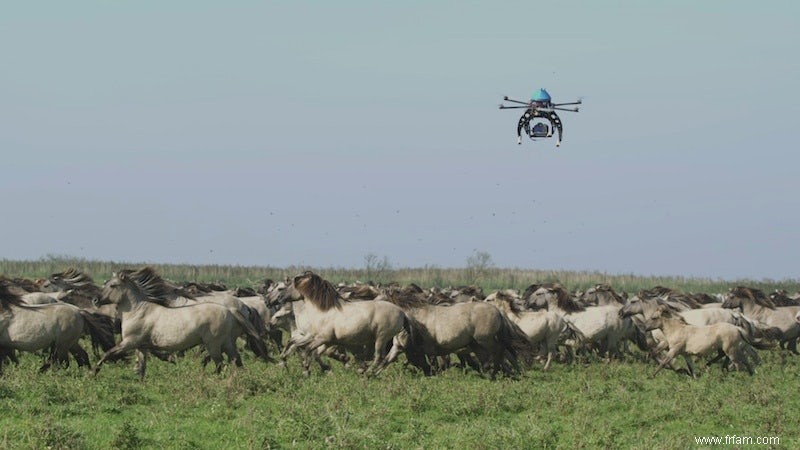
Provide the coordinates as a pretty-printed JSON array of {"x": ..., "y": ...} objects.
[
  {"x": 670, "y": 356},
  {"x": 80, "y": 355},
  {"x": 124, "y": 345},
  {"x": 792, "y": 346},
  {"x": 746, "y": 361},
  {"x": 690, "y": 366},
  {"x": 549, "y": 358},
  {"x": 232, "y": 352},
  {"x": 323, "y": 350},
  {"x": 141, "y": 364}
]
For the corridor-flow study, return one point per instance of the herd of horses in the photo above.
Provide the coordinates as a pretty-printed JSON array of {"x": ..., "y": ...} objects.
[{"x": 138, "y": 312}]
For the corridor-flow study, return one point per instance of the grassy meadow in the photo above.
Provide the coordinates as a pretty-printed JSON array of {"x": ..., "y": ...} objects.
[{"x": 590, "y": 404}]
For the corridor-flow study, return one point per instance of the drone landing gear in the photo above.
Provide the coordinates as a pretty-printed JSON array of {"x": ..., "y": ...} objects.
[{"x": 539, "y": 130}]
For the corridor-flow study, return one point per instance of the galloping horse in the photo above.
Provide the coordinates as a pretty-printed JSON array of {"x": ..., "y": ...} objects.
[
  {"x": 461, "y": 328},
  {"x": 55, "y": 326},
  {"x": 680, "y": 338},
  {"x": 541, "y": 327},
  {"x": 600, "y": 325},
  {"x": 148, "y": 325},
  {"x": 329, "y": 320},
  {"x": 755, "y": 305}
]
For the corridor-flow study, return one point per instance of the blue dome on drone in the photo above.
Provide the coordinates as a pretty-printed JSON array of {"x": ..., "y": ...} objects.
[{"x": 540, "y": 96}]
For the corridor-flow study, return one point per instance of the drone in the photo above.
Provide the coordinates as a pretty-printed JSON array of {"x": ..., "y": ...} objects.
[{"x": 539, "y": 108}]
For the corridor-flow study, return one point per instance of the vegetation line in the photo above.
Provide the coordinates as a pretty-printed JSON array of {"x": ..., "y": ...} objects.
[{"x": 477, "y": 271}]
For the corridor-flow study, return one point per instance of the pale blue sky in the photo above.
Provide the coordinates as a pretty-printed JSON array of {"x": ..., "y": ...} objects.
[{"x": 315, "y": 133}]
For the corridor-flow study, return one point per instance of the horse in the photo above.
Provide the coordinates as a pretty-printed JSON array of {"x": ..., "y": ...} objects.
[
  {"x": 680, "y": 338},
  {"x": 461, "y": 328},
  {"x": 541, "y": 327},
  {"x": 600, "y": 325},
  {"x": 285, "y": 319},
  {"x": 601, "y": 295},
  {"x": 251, "y": 308},
  {"x": 77, "y": 287},
  {"x": 755, "y": 305},
  {"x": 329, "y": 320},
  {"x": 56, "y": 327},
  {"x": 148, "y": 325}
]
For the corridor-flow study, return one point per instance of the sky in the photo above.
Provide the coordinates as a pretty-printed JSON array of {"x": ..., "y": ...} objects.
[{"x": 317, "y": 133}]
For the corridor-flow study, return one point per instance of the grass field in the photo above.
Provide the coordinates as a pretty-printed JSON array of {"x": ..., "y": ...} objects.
[{"x": 593, "y": 404}]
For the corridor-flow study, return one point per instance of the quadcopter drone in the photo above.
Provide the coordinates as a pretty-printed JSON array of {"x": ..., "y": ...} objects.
[{"x": 538, "y": 109}]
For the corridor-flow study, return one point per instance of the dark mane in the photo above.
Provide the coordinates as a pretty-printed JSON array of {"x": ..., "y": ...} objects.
[
  {"x": 657, "y": 291},
  {"x": 535, "y": 287},
  {"x": 74, "y": 277},
  {"x": 684, "y": 299},
  {"x": 704, "y": 298},
  {"x": 471, "y": 290},
  {"x": 7, "y": 295},
  {"x": 508, "y": 299},
  {"x": 608, "y": 290},
  {"x": 154, "y": 288},
  {"x": 318, "y": 291},
  {"x": 406, "y": 298},
  {"x": 565, "y": 300},
  {"x": 752, "y": 294},
  {"x": 780, "y": 298}
]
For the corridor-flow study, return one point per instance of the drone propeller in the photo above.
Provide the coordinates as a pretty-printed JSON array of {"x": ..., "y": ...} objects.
[
  {"x": 578, "y": 102},
  {"x": 567, "y": 109}
]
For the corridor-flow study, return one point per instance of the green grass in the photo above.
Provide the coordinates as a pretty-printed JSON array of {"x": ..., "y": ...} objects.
[
  {"x": 593, "y": 405},
  {"x": 599, "y": 404}
]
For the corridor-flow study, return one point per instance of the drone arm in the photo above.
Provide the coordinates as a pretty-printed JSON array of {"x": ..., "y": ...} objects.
[
  {"x": 514, "y": 101},
  {"x": 579, "y": 102}
]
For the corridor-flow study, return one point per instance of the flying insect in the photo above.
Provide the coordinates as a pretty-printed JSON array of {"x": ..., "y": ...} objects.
[{"x": 537, "y": 110}]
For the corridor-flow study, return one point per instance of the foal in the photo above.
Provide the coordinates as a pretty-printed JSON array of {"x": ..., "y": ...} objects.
[{"x": 688, "y": 340}]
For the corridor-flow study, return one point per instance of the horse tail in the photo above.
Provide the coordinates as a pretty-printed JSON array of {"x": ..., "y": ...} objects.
[
  {"x": 757, "y": 335},
  {"x": 100, "y": 328},
  {"x": 573, "y": 332},
  {"x": 515, "y": 342},
  {"x": 253, "y": 338},
  {"x": 414, "y": 347}
]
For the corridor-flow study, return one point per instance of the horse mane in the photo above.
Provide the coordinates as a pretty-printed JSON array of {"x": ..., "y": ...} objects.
[
  {"x": 753, "y": 294},
  {"x": 780, "y": 298},
  {"x": 406, "y": 298},
  {"x": 535, "y": 287},
  {"x": 244, "y": 292},
  {"x": 315, "y": 289},
  {"x": 154, "y": 288},
  {"x": 414, "y": 288},
  {"x": 565, "y": 300},
  {"x": 704, "y": 298},
  {"x": 74, "y": 277},
  {"x": 657, "y": 291},
  {"x": 23, "y": 284},
  {"x": 360, "y": 291},
  {"x": 472, "y": 290},
  {"x": 603, "y": 287},
  {"x": 196, "y": 287},
  {"x": 684, "y": 299},
  {"x": 7, "y": 295},
  {"x": 509, "y": 300}
]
